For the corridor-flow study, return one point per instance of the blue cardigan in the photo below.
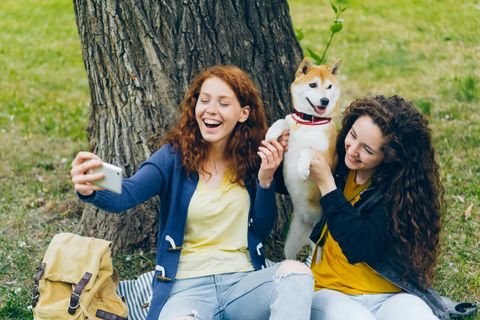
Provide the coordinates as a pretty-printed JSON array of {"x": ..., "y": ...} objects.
[{"x": 164, "y": 175}]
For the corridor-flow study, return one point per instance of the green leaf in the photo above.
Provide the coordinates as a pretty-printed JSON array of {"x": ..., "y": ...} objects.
[
  {"x": 299, "y": 34},
  {"x": 334, "y": 8},
  {"x": 315, "y": 56}
]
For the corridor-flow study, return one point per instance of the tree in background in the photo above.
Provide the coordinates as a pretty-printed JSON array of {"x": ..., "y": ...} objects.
[{"x": 140, "y": 56}]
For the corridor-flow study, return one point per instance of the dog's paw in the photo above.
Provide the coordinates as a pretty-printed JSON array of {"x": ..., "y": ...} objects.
[
  {"x": 304, "y": 173},
  {"x": 272, "y": 134},
  {"x": 303, "y": 165},
  {"x": 276, "y": 129}
]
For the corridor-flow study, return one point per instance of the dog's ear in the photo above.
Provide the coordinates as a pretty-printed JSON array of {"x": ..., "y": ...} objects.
[
  {"x": 304, "y": 67},
  {"x": 334, "y": 69}
]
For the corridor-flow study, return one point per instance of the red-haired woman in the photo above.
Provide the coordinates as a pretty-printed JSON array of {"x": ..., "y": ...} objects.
[
  {"x": 382, "y": 212},
  {"x": 217, "y": 205}
]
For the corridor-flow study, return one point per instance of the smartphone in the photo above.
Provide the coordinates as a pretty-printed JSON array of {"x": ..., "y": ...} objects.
[{"x": 113, "y": 177}]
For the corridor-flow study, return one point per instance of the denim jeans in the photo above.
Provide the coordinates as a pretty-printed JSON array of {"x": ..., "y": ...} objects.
[
  {"x": 335, "y": 305},
  {"x": 254, "y": 295}
]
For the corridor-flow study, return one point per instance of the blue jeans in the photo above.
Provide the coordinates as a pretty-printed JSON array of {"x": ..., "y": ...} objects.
[
  {"x": 335, "y": 305},
  {"x": 273, "y": 293}
]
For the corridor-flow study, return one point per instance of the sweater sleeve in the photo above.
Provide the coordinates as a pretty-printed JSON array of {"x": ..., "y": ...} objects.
[
  {"x": 264, "y": 212},
  {"x": 280, "y": 186},
  {"x": 362, "y": 237},
  {"x": 147, "y": 182}
]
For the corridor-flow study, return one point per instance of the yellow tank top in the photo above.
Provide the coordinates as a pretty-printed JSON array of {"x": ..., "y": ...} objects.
[
  {"x": 334, "y": 271},
  {"x": 216, "y": 231}
]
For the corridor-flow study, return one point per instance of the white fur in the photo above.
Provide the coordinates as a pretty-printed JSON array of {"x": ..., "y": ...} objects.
[{"x": 304, "y": 139}]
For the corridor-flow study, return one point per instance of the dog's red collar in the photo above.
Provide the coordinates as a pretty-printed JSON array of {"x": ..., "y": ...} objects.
[{"x": 308, "y": 119}]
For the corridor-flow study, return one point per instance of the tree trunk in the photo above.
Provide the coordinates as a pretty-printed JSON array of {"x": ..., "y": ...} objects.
[{"x": 140, "y": 57}]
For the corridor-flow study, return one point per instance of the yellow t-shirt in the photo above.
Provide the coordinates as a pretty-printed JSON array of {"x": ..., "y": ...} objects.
[
  {"x": 336, "y": 273},
  {"x": 216, "y": 231}
]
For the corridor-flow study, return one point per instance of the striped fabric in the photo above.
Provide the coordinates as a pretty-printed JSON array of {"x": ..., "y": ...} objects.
[{"x": 137, "y": 294}]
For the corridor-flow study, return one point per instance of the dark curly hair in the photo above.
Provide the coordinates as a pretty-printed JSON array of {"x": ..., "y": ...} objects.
[
  {"x": 408, "y": 177},
  {"x": 246, "y": 137}
]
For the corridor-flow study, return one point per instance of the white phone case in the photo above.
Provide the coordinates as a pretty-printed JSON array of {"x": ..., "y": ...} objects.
[{"x": 113, "y": 177}]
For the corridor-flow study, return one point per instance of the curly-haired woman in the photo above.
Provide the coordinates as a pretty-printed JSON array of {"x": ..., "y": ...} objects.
[
  {"x": 382, "y": 207},
  {"x": 217, "y": 205}
]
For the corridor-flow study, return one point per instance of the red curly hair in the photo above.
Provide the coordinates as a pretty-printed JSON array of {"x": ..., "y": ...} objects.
[{"x": 241, "y": 150}]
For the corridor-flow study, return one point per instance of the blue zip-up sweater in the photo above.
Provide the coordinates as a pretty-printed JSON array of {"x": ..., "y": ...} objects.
[{"x": 164, "y": 175}]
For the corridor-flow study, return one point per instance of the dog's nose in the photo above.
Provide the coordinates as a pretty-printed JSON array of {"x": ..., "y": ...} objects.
[{"x": 324, "y": 101}]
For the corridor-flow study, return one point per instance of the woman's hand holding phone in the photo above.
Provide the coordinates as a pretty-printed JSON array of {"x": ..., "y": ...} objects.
[{"x": 89, "y": 173}]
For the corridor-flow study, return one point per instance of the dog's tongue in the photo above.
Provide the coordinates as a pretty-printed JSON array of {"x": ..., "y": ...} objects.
[{"x": 320, "y": 110}]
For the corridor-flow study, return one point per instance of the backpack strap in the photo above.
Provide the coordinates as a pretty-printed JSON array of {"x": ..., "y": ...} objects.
[
  {"x": 36, "y": 291},
  {"x": 107, "y": 315},
  {"x": 75, "y": 297}
]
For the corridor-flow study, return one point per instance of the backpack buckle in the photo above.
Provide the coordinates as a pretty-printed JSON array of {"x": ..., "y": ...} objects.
[
  {"x": 35, "y": 295},
  {"x": 36, "y": 289},
  {"x": 75, "y": 297}
]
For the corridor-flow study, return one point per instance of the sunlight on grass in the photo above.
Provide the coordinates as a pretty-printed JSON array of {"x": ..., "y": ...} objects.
[{"x": 44, "y": 86}]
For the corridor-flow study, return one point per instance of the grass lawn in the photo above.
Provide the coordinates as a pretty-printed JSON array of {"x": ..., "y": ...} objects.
[{"x": 425, "y": 50}]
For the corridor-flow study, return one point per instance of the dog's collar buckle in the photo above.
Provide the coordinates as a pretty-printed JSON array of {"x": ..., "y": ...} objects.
[{"x": 308, "y": 119}]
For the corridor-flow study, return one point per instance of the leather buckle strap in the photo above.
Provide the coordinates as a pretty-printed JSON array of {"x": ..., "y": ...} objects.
[
  {"x": 102, "y": 314},
  {"x": 75, "y": 297},
  {"x": 36, "y": 290}
]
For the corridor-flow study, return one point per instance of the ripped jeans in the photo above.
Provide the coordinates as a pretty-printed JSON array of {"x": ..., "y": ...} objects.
[{"x": 283, "y": 291}]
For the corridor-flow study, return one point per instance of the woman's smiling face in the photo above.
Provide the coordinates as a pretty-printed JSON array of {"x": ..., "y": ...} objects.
[
  {"x": 218, "y": 111},
  {"x": 363, "y": 146}
]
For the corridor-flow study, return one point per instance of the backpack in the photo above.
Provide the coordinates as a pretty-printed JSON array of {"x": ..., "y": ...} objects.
[{"x": 75, "y": 281}]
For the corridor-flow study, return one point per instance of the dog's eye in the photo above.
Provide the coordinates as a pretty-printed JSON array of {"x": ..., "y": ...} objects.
[
  {"x": 312, "y": 85},
  {"x": 329, "y": 86}
]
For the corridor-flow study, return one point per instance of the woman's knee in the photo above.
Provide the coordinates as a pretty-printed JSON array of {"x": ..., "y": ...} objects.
[
  {"x": 405, "y": 306},
  {"x": 292, "y": 267},
  {"x": 334, "y": 305}
]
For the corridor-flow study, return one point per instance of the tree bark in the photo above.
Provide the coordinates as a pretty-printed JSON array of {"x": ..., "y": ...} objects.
[{"x": 140, "y": 57}]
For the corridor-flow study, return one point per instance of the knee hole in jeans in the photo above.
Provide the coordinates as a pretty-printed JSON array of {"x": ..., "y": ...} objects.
[{"x": 292, "y": 267}]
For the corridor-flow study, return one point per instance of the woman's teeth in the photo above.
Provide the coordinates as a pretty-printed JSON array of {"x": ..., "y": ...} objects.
[{"x": 211, "y": 123}]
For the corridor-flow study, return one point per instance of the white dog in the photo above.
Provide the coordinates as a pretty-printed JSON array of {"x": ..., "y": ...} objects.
[{"x": 315, "y": 96}]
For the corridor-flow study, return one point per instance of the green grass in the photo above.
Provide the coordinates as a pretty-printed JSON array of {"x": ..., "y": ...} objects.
[
  {"x": 427, "y": 51},
  {"x": 44, "y": 86}
]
